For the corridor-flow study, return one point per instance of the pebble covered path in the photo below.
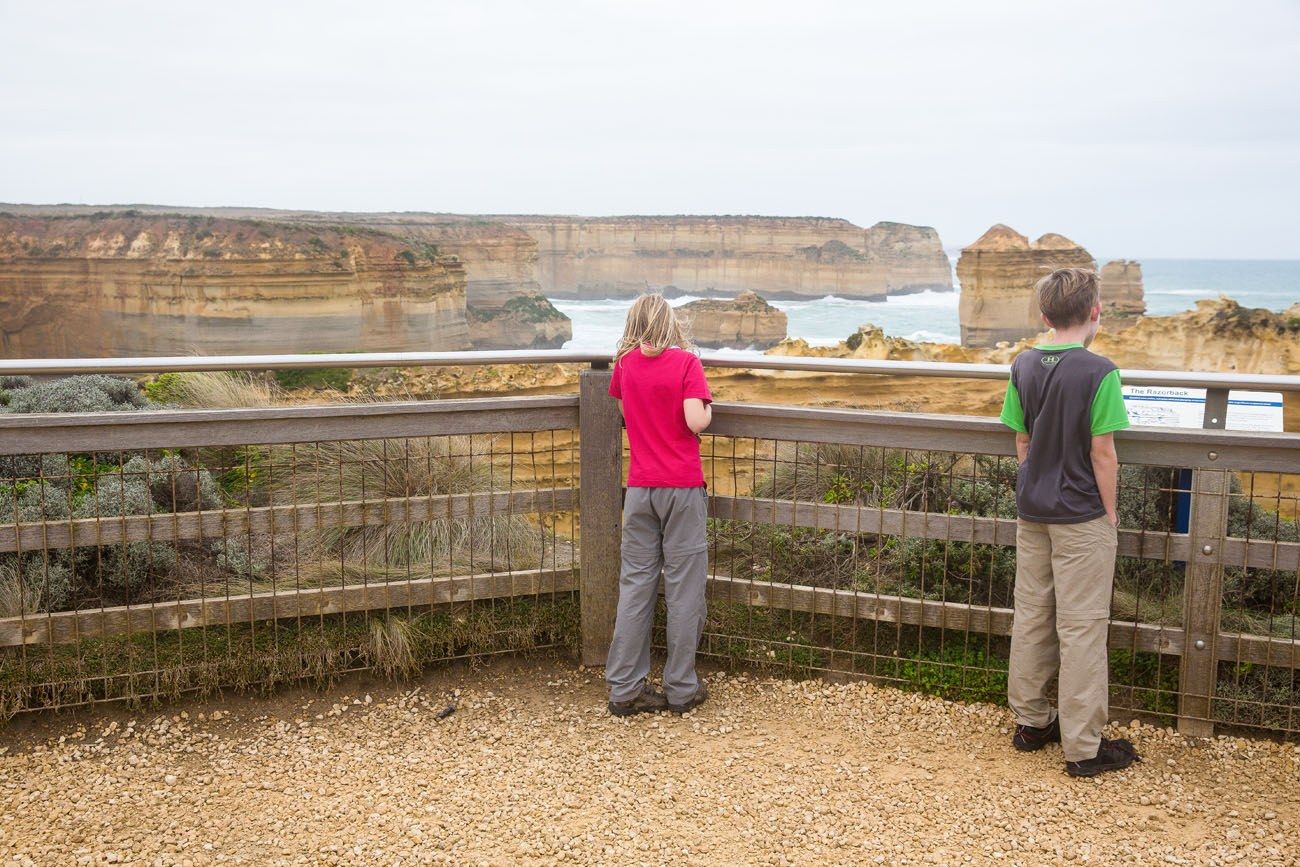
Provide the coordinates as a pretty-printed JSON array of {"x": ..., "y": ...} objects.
[{"x": 530, "y": 769}]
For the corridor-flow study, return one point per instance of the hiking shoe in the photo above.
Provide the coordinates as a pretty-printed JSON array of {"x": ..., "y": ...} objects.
[
  {"x": 1112, "y": 755},
  {"x": 1028, "y": 739},
  {"x": 701, "y": 695},
  {"x": 650, "y": 700}
]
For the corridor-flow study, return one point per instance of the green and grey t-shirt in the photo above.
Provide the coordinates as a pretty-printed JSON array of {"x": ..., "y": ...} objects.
[{"x": 1062, "y": 396}]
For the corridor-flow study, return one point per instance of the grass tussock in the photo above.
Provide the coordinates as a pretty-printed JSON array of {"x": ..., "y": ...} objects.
[
  {"x": 413, "y": 470},
  {"x": 213, "y": 390}
]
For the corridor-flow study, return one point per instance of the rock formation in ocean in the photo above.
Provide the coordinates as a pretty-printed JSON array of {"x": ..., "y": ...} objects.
[
  {"x": 997, "y": 275},
  {"x": 1218, "y": 336},
  {"x": 777, "y": 257},
  {"x": 1121, "y": 289},
  {"x": 747, "y": 322},
  {"x": 911, "y": 257},
  {"x": 132, "y": 284}
]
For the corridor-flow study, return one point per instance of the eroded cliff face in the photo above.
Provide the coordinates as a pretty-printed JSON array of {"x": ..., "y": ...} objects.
[
  {"x": 911, "y": 257},
  {"x": 506, "y": 307},
  {"x": 997, "y": 275},
  {"x": 620, "y": 257},
  {"x": 130, "y": 284},
  {"x": 1121, "y": 289},
  {"x": 746, "y": 322},
  {"x": 1219, "y": 335}
]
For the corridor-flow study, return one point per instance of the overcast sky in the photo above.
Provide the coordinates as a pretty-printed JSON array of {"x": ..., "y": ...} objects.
[{"x": 1138, "y": 129}]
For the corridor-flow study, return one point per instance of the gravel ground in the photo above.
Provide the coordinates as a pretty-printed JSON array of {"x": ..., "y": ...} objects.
[{"x": 531, "y": 770}]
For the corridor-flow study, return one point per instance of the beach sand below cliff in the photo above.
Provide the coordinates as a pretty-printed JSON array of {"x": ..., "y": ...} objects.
[{"x": 530, "y": 769}]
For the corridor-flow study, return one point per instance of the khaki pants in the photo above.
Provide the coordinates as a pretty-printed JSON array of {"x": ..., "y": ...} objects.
[{"x": 1064, "y": 574}]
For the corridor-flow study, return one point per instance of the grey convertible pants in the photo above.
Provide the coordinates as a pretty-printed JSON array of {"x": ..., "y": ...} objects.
[{"x": 664, "y": 530}]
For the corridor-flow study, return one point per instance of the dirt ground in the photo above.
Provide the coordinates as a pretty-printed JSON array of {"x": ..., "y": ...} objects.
[{"x": 530, "y": 769}]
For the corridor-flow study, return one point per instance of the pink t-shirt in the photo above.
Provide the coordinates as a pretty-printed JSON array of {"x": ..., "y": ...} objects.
[{"x": 665, "y": 454}]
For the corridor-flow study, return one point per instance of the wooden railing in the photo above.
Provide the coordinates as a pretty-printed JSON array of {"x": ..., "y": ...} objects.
[{"x": 1198, "y": 642}]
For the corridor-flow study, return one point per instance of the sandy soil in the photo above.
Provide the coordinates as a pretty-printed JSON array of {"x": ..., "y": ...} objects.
[{"x": 530, "y": 769}]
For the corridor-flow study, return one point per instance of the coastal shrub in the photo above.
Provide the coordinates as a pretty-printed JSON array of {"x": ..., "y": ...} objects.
[
  {"x": 92, "y": 393},
  {"x": 58, "y": 487},
  {"x": 320, "y": 379}
]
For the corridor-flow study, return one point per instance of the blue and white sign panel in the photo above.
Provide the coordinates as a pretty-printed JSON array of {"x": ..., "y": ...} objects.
[{"x": 1158, "y": 406}]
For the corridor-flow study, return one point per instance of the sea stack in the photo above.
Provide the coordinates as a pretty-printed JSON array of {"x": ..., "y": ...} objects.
[
  {"x": 997, "y": 275},
  {"x": 910, "y": 257},
  {"x": 748, "y": 321},
  {"x": 1121, "y": 289}
]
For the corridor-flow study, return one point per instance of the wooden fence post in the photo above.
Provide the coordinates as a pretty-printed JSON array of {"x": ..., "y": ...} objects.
[
  {"x": 1203, "y": 585},
  {"x": 600, "y": 500}
]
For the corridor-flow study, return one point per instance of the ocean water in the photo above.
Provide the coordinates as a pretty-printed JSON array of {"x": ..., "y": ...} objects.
[{"x": 1171, "y": 286}]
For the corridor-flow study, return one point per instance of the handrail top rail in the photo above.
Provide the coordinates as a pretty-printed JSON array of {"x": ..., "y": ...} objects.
[{"x": 939, "y": 369}]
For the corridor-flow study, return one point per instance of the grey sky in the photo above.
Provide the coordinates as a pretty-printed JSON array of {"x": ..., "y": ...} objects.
[{"x": 1138, "y": 129}]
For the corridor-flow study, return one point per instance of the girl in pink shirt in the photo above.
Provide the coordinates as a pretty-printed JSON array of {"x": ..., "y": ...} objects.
[{"x": 666, "y": 403}]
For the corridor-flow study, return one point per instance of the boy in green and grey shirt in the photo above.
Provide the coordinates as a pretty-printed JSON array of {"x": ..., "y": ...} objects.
[{"x": 1064, "y": 403}]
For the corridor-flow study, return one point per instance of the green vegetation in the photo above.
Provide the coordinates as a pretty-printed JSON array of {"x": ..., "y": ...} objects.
[
  {"x": 948, "y": 663},
  {"x": 1257, "y": 601},
  {"x": 320, "y": 379},
  {"x": 533, "y": 308},
  {"x": 261, "y": 656}
]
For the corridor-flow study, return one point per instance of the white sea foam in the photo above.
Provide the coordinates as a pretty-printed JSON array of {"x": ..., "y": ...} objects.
[{"x": 1171, "y": 285}]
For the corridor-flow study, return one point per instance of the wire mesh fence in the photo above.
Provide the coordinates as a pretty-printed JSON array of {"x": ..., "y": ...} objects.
[
  {"x": 151, "y": 571},
  {"x": 898, "y": 564},
  {"x": 152, "y": 553}
]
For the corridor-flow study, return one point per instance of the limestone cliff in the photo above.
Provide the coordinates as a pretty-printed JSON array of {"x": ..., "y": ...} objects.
[
  {"x": 778, "y": 257},
  {"x": 1121, "y": 289},
  {"x": 747, "y": 322},
  {"x": 997, "y": 275},
  {"x": 130, "y": 284},
  {"x": 911, "y": 257},
  {"x": 506, "y": 309}
]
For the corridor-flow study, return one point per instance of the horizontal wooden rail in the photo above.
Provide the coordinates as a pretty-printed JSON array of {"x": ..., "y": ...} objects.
[
  {"x": 232, "y": 523},
  {"x": 1124, "y": 635},
  {"x": 960, "y": 616},
  {"x": 1158, "y": 447},
  {"x": 133, "y": 431},
  {"x": 66, "y": 627},
  {"x": 1166, "y": 547}
]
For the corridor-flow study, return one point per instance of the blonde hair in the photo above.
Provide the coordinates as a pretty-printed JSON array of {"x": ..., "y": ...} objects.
[{"x": 652, "y": 325}]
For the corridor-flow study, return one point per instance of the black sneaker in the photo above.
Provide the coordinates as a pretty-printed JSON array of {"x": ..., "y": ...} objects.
[
  {"x": 1112, "y": 755},
  {"x": 650, "y": 700},
  {"x": 1028, "y": 739},
  {"x": 701, "y": 696}
]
